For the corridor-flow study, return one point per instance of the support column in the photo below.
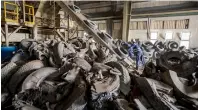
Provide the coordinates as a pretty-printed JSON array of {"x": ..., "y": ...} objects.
[
  {"x": 68, "y": 31},
  {"x": 24, "y": 11},
  {"x": 126, "y": 20},
  {"x": 35, "y": 32},
  {"x": 6, "y": 35},
  {"x": 77, "y": 30},
  {"x": 109, "y": 26},
  {"x": 65, "y": 32}
]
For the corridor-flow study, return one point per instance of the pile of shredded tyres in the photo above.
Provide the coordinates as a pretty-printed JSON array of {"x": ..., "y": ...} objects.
[{"x": 81, "y": 74}]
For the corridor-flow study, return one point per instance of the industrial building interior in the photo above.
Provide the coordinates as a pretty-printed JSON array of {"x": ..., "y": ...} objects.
[{"x": 99, "y": 55}]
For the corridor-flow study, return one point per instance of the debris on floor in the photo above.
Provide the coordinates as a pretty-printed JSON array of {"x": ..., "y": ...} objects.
[{"x": 83, "y": 75}]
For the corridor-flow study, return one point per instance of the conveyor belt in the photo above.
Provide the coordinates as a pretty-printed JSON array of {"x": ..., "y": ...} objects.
[
  {"x": 90, "y": 28},
  {"x": 80, "y": 19}
]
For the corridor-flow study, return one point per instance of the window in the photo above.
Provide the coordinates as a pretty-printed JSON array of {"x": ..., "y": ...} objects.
[
  {"x": 185, "y": 37},
  {"x": 170, "y": 24},
  {"x": 169, "y": 35},
  {"x": 157, "y": 24},
  {"x": 153, "y": 37},
  {"x": 102, "y": 26},
  {"x": 182, "y": 24},
  {"x": 138, "y": 25}
]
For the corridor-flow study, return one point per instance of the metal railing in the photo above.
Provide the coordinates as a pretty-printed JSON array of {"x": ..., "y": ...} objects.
[
  {"x": 14, "y": 12},
  {"x": 30, "y": 14}
]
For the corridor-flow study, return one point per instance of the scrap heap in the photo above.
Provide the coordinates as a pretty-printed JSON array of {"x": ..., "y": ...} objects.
[{"x": 81, "y": 74}]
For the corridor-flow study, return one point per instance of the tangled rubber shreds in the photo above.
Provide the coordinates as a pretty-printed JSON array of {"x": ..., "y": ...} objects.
[
  {"x": 35, "y": 97},
  {"x": 98, "y": 101},
  {"x": 103, "y": 79}
]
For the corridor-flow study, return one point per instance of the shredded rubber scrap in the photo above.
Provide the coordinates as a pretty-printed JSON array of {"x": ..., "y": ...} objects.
[{"x": 84, "y": 75}]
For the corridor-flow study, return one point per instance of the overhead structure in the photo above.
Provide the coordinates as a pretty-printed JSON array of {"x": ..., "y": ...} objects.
[
  {"x": 11, "y": 18},
  {"x": 92, "y": 29}
]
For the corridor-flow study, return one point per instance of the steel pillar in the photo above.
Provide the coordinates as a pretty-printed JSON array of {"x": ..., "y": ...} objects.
[
  {"x": 6, "y": 35},
  {"x": 109, "y": 26},
  {"x": 35, "y": 32},
  {"x": 126, "y": 20},
  {"x": 68, "y": 27}
]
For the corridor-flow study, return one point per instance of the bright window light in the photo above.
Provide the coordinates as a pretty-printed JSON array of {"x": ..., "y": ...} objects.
[
  {"x": 169, "y": 36},
  {"x": 153, "y": 41},
  {"x": 185, "y": 36},
  {"x": 185, "y": 43},
  {"x": 154, "y": 35},
  {"x": 85, "y": 34},
  {"x": 153, "y": 38},
  {"x": 103, "y": 30}
]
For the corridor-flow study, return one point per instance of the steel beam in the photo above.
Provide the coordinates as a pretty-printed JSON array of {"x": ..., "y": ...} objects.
[
  {"x": 24, "y": 11},
  {"x": 6, "y": 35},
  {"x": 76, "y": 30},
  {"x": 35, "y": 32},
  {"x": 3, "y": 32},
  {"x": 60, "y": 35},
  {"x": 15, "y": 31},
  {"x": 126, "y": 20},
  {"x": 68, "y": 26},
  {"x": 165, "y": 14}
]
